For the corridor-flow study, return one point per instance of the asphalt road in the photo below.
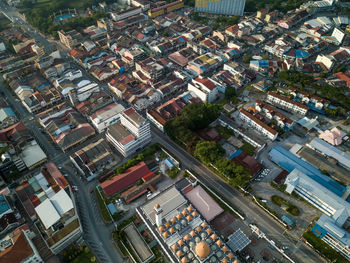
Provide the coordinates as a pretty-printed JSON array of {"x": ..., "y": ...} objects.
[
  {"x": 253, "y": 213},
  {"x": 95, "y": 232}
]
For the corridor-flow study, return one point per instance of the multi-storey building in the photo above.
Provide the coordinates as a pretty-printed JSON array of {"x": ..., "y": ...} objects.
[
  {"x": 131, "y": 133},
  {"x": 150, "y": 69},
  {"x": 221, "y": 7},
  {"x": 70, "y": 39},
  {"x": 206, "y": 89},
  {"x": 258, "y": 124},
  {"x": 106, "y": 116},
  {"x": 287, "y": 103}
]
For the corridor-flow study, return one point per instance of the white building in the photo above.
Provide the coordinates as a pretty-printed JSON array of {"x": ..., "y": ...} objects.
[
  {"x": 258, "y": 124},
  {"x": 126, "y": 13},
  {"x": 131, "y": 133},
  {"x": 287, "y": 103},
  {"x": 106, "y": 116},
  {"x": 327, "y": 61},
  {"x": 205, "y": 89}
]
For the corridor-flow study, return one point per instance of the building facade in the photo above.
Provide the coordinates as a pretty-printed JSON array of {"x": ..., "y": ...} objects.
[{"x": 220, "y": 7}]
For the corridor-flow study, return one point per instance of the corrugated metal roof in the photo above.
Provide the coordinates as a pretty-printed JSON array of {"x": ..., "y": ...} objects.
[
  {"x": 290, "y": 161},
  {"x": 331, "y": 151}
]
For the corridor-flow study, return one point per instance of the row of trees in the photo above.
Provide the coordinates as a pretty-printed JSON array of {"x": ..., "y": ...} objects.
[
  {"x": 211, "y": 154},
  {"x": 183, "y": 129}
]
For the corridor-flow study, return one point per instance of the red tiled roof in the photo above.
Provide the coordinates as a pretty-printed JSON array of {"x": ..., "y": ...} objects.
[
  {"x": 121, "y": 181},
  {"x": 18, "y": 252},
  {"x": 206, "y": 82}
]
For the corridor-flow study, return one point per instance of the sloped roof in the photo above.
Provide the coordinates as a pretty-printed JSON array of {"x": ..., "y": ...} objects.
[{"x": 18, "y": 252}]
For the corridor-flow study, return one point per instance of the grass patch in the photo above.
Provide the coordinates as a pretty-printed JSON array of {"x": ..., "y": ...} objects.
[
  {"x": 158, "y": 255},
  {"x": 248, "y": 148},
  {"x": 78, "y": 254},
  {"x": 291, "y": 209},
  {"x": 224, "y": 132},
  {"x": 280, "y": 187},
  {"x": 324, "y": 248},
  {"x": 173, "y": 172},
  {"x": 103, "y": 209}
]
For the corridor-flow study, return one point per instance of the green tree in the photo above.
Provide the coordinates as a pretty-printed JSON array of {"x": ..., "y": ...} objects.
[
  {"x": 247, "y": 59},
  {"x": 208, "y": 152}
]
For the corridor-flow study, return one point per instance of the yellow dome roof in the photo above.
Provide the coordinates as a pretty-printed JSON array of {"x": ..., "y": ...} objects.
[{"x": 202, "y": 249}]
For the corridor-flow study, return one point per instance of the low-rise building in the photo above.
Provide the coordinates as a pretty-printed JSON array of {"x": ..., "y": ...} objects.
[
  {"x": 205, "y": 63},
  {"x": 129, "y": 134},
  {"x": 66, "y": 127},
  {"x": 270, "y": 112},
  {"x": 150, "y": 69},
  {"x": 92, "y": 160},
  {"x": 126, "y": 13},
  {"x": 333, "y": 136},
  {"x": 332, "y": 226},
  {"x": 330, "y": 151},
  {"x": 18, "y": 247},
  {"x": 286, "y": 103},
  {"x": 53, "y": 205},
  {"x": 258, "y": 124}
]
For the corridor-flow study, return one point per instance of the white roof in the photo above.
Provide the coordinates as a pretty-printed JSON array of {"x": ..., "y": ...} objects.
[
  {"x": 62, "y": 202},
  {"x": 331, "y": 151},
  {"x": 32, "y": 155},
  {"x": 47, "y": 213}
]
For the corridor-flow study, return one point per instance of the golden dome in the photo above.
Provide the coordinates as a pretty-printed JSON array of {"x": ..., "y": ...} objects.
[
  {"x": 224, "y": 260},
  {"x": 172, "y": 220},
  {"x": 224, "y": 248},
  {"x": 213, "y": 236},
  {"x": 157, "y": 206},
  {"x": 165, "y": 234},
  {"x": 236, "y": 261},
  {"x": 230, "y": 256},
  {"x": 174, "y": 246},
  {"x": 167, "y": 224},
  {"x": 184, "y": 212},
  {"x": 202, "y": 249},
  {"x": 161, "y": 228},
  {"x": 171, "y": 230},
  {"x": 219, "y": 243},
  {"x": 209, "y": 231},
  {"x": 187, "y": 237},
  {"x": 198, "y": 229},
  {"x": 204, "y": 224},
  {"x": 184, "y": 260},
  {"x": 178, "y": 216},
  {"x": 189, "y": 218},
  {"x": 189, "y": 208},
  {"x": 179, "y": 253},
  {"x": 194, "y": 214},
  {"x": 181, "y": 242},
  {"x": 192, "y": 233}
]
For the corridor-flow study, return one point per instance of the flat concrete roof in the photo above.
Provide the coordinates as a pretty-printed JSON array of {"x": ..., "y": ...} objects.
[
  {"x": 168, "y": 201},
  {"x": 138, "y": 243}
]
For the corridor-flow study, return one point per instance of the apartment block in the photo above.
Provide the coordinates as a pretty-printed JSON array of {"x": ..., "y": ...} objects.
[{"x": 129, "y": 134}]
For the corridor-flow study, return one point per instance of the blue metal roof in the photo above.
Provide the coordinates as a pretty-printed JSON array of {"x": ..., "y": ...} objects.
[
  {"x": 169, "y": 163},
  {"x": 290, "y": 161},
  {"x": 236, "y": 153},
  {"x": 112, "y": 209},
  {"x": 4, "y": 206},
  {"x": 299, "y": 53}
]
